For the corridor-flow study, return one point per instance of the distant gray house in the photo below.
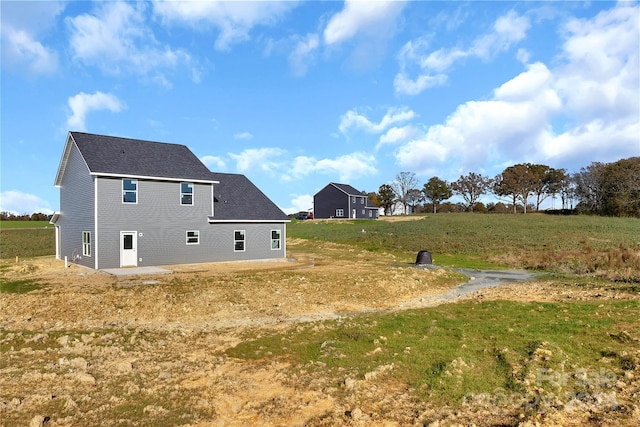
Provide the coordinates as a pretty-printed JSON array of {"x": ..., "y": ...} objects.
[
  {"x": 126, "y": 202},
  {"x": 343, "y": 201}
]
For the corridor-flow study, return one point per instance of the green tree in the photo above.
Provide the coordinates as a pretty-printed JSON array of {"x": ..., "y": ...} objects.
[
  {"x": 386, "y": 197},
  {"x": 471, "y": 187},
  {"x": 589, "y": 188},
  {"x": 518, "y": 182},
  {"x": 436, "y": 191},
  {"x": 621, "y": 188}
]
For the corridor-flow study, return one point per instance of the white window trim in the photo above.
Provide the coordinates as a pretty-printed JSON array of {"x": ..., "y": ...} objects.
[
  {"x": 197, "y": 236},
  {"x": 244, "y": 240},
  {"x": 86, "y": 246},
  {"x": 193, "y": 195},
  {"x": 279, "y": 240},
  {"x": 339, "y": 213},
  {"x": 130, "y": 191}
]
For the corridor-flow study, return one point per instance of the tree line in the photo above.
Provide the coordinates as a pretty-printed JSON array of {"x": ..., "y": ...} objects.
[
  {"x": 611, "y": 189},
  {"x": 8, "y": 216}
]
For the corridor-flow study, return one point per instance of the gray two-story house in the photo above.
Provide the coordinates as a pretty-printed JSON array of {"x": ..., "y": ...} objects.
[
  {"x": 127, "y": 202},
  {"x": 343, "y": 201}
]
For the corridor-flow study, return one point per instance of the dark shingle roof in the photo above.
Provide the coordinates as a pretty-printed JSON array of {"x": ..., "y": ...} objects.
[
  {"x": 347, "y": 189},
  {"x": 112, "y": 155},
  {"x": 237, "y": 199}
]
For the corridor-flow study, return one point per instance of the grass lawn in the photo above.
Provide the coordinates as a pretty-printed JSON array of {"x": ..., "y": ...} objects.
[
  {"x": 457, "y": 352},
  {"x": 571, "y": 244}
]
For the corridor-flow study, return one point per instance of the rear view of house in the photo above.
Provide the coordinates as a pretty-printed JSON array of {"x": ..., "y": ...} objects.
[
  {"x": 126, "y": 202},
  {"x": 343, "y": 201}
]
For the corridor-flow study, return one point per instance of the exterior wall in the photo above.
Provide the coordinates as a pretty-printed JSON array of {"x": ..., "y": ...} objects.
[
  {"x": 397, "y": 209},
  {"x": 330, "y": 198},
  {"x": 327, "y": 200},
  {"x": 161, "y": 224},
  {"x": 76, "y": 210}
]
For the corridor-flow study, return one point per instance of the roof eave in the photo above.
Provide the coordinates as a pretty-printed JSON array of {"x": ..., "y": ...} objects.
[
  {"x": 213, "y": 220},
  {"x": 156, "y": 178}
]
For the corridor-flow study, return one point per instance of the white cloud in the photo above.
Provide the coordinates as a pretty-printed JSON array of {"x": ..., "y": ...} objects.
[
  {"x": 584, "y": 109},
  {"x": 243, "y": 135},
  {"x": 21, "y": 50},
  {"x": 214, "y": 163},
  {"x": 397, "y": 134},
  {"x": 347, "y": 167},
  {"x": 84, "y": 103},
  {"x": 507, "y": 30},
  {"x": 258, "y": 159},
  {"x": 21, "y": 24},
  {"x": 302, "y": 55},
  {"x": 18, "y": 203},
  {"x": 299, "y": 203},
  {"x": 600, "y": 76},
  {"x": 480, "y": 131},
  {"x": 117, "y": 40},
  {"x": 361, "y": 16},
  {"x": 354, "y": 120},
  {"x": 233, "y": 19}
]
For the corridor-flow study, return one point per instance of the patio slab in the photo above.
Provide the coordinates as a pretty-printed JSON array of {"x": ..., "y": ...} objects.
[{"x": 136, "y": 271}]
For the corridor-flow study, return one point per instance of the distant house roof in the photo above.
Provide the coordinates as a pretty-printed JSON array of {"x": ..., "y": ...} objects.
[
  {"x": 346, "y": 188},
  {"x": 110, "y": 155},
  {"x": 236, "y": 198}
]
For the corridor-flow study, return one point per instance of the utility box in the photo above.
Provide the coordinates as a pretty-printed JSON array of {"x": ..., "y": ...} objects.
[{"x": 424, "y": 257}]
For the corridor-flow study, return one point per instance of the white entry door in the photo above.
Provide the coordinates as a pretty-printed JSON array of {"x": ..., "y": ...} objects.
[{"x": 128, "y": 249}]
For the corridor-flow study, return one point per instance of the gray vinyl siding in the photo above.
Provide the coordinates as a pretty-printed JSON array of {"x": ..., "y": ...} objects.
[
  {"x": 161, "y": 224},
  {"x": 76, "y": 210},
  {"x": 327, "y": 200}
]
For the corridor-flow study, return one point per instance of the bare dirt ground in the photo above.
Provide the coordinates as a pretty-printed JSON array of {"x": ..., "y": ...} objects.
[{"x": 91, "y": 349}]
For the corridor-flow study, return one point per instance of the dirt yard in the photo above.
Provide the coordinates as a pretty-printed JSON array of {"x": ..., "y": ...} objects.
[{"x": 91, "y": 349}]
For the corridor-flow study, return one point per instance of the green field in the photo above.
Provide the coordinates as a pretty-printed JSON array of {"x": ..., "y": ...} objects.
[
  {"x": 567, "y": 244},
  {"x": 25, "y": 224},
  {"x": 27, "y": 242}
]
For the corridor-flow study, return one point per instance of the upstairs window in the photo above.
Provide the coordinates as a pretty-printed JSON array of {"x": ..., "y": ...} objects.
[
  {"x": 362, "y": 200},
  {"x": 86, "y": 243},
  {"x": 129, "y": 191},
  {"x": 238, "y": 240},
  {"x": 276, "y": 242},
  {"x": 353, "y": 199},
  {"x": 186, "y": 193}
]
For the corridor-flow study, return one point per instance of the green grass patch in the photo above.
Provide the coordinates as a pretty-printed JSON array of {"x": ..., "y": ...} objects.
[
  {"x": 575, "y": 244},
  {"x": 27, "y": 243},
  {"x": 25, "y": 224},
  {"x": 20, "y": 286},
  {"x": 448, "y": 353}
]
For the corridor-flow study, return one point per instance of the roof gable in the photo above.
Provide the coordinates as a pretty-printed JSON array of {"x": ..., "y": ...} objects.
[
  {"x": 115, "y": 156},
  {"x": 346, "y": 188}
]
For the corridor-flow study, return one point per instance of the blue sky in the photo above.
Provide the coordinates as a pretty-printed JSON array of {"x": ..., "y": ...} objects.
[{"x": 298, "y": 94}]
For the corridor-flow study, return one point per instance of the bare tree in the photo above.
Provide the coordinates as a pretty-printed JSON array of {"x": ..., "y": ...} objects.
[
  {"x": 404, "y": 182},
  {"x": 414, "y": 198},
  {"x": 471, "y": 187}
]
